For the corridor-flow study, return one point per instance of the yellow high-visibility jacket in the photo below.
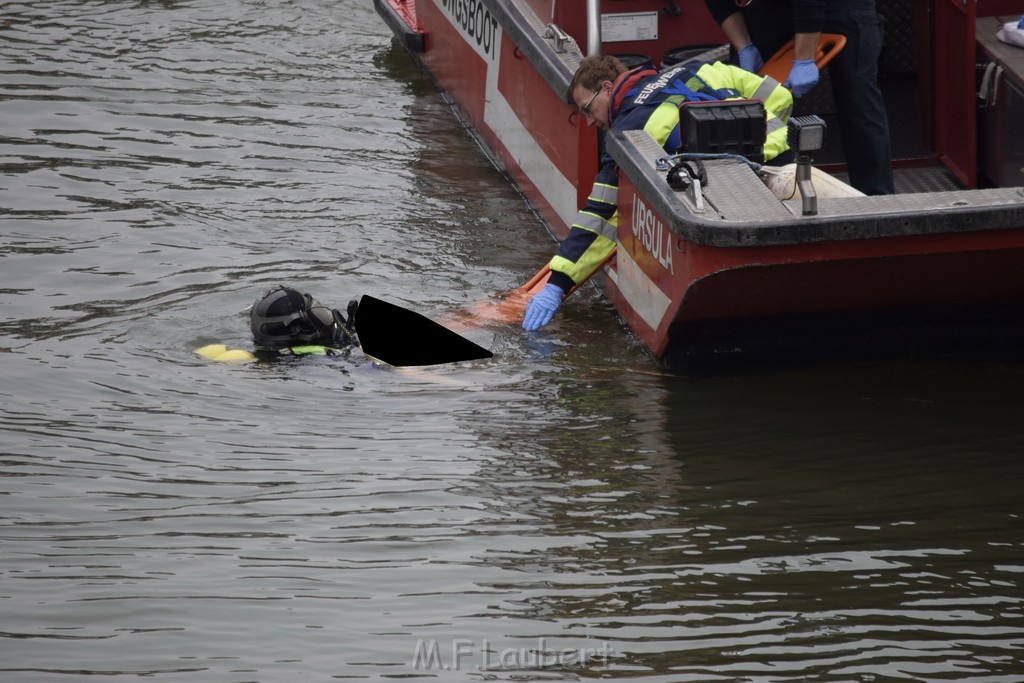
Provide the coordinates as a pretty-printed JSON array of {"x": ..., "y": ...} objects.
[{"x": 644, "y": 99}]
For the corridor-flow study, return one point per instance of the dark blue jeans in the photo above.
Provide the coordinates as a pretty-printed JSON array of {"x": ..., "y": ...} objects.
[{"x": 863, "y": 122}]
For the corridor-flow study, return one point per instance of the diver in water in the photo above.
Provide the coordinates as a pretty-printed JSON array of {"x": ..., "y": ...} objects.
[
  {"x": 285, "y": 321},
  {"x": 288, "y": 321}
]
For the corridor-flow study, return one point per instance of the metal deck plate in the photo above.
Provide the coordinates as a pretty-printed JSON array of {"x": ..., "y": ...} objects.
[
  {"x": 924, "y": 179},
  {"x": 738, "y": 194}
]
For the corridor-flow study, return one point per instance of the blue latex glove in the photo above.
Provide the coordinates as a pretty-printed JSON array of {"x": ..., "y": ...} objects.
[
  {"x": 750, "y": 58},
  {"x": 1020, "y": 24},
  {"x": 802, "y": 77},
  {"x": 542, "y": 307}
]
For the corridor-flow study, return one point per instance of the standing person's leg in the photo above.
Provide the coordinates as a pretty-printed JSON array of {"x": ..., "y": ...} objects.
[{"x": 863, "y": 121}]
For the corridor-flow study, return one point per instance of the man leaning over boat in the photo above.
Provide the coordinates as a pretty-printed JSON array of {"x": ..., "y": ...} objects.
[{"x": 615, "y": 98}]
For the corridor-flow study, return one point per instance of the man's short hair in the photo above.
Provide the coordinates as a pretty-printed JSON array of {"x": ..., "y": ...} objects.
[{"x": 592, "y": 72}]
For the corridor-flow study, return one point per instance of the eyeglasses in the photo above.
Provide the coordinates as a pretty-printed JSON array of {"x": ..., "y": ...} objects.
[{"x": 586, "y": 107}]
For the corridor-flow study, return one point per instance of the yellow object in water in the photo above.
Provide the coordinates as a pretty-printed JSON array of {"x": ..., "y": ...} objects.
[{"x": 222, "y": 354}]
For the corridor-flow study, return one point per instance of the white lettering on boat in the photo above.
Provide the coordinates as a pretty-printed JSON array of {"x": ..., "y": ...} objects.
[
  {"x": 652, "y": 233},
  {"x": 476, "y": 22}
]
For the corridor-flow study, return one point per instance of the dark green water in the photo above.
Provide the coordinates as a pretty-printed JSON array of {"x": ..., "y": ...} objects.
[{"x": 564, "y": 511}]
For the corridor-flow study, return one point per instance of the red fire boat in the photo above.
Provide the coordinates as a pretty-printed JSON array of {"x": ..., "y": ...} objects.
[{"x": 741, "y": 260}]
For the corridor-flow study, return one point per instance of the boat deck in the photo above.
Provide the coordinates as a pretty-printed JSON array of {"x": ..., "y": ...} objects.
[{"x": 922, "y": 179}]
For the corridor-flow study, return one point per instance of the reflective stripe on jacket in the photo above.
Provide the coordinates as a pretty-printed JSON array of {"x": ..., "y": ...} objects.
[{"x": 644, "y": 99}]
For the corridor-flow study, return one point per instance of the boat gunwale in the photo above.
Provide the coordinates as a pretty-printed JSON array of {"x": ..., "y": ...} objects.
[
  {"x": 1003, "y": 209},
  {"x": 555, "y": 67}
]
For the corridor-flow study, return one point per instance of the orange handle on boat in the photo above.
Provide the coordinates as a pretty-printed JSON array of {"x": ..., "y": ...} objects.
[{"x": 780, "y": 64}]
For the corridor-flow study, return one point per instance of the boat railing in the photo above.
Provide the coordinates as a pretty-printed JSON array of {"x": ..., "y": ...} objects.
[{"x": 593, "y": 27}]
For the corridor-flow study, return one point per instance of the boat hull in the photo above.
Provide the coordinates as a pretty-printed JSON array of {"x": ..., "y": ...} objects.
[
  {"x": 528, "y": 129},
  {"x": 667, "y": 286}
]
